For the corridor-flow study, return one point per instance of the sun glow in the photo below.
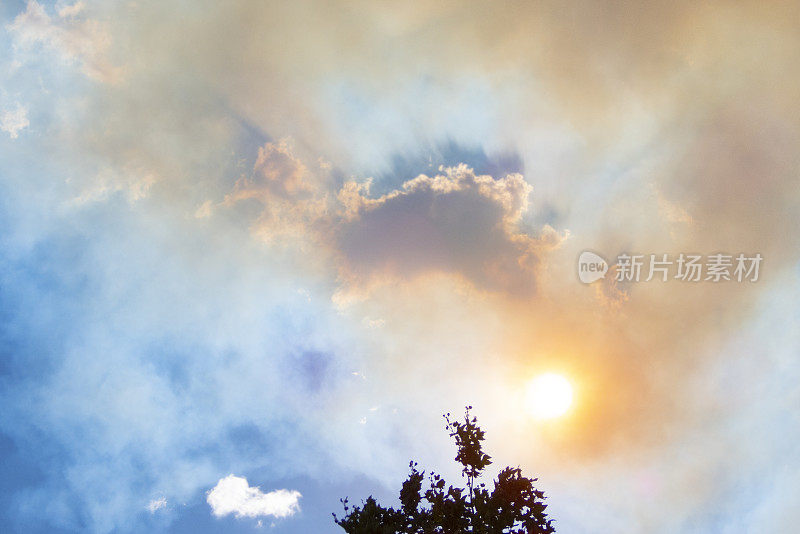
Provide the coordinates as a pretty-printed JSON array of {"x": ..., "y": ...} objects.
[{"x": 549, "y": 395}]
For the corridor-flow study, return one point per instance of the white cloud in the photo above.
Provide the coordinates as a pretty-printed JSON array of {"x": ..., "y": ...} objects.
[
  {"x": 136, "y": 183},
  {"x": 12, "y": 121},
  {"x": 81, "y": 40},
  {"x": 157, "y": 504},
  {"x": 71, "y": 10},
  {"x": 233, "y": 495}
]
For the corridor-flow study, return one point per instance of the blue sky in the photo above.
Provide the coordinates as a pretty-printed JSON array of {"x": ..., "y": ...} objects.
[{"x": 277, "y": 241}]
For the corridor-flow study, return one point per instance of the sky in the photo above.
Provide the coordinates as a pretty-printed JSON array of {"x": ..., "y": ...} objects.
[{"x": 250, "y": 253}]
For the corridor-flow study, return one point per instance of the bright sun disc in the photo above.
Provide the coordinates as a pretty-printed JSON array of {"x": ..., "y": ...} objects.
[{"x": 548, "y": 395}]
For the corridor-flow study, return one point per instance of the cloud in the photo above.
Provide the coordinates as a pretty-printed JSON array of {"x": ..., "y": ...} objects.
[
  {"x": 134, "y": 183},
  {"x": 233, "y": 495},
  {"x": 276, "y": 173},
  {"x": 292, "y": 199},
  {"x": 653, "y": 128},
  {"x": 14, "y": 120},
  {"x": 79, "y": 40},
  {"x": 70, "y": 10},
  {"x": 455, "y": 223},
  {"x": 157, "y": 504}
]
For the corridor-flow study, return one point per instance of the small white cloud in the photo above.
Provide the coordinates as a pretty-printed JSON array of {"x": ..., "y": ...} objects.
[
  {"x": 14, "y": 120},
  {"x": 204, "y": 210},
  {"x": 157, "y": 504},
  {"x": 71, "y": 10},
  {"x": 233, "y": 495},
  {"x": 373, "y": 323}
]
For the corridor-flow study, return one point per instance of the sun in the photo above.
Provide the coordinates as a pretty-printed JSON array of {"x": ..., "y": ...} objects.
[{"x": 548, "y": 396}]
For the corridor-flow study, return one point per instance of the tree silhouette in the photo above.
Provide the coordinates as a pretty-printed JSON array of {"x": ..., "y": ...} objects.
[{"x": 513, "y": 506}]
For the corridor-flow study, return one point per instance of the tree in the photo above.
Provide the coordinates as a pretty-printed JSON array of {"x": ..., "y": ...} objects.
[{"x": 513, "y": 506}]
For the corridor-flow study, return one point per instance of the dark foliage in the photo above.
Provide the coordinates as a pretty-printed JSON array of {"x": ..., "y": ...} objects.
[{"x": 513, "y": 506}]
